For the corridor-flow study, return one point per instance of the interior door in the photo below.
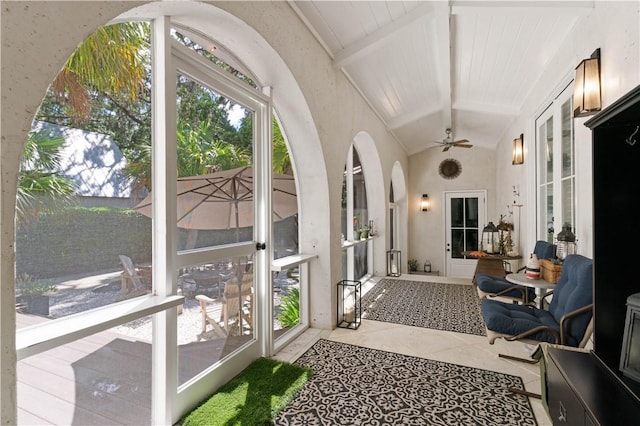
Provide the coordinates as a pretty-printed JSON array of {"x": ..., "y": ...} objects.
[{"x": 465, "y": 217}]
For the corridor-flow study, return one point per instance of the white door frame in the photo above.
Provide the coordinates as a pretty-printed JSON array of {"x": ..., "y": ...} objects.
[{"x": 455, "y": 267}]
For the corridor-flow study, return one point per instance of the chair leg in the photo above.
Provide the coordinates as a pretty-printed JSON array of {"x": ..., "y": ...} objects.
[
  {"x": 515, "y": 358},
  {"x": 525, "y": 393}
]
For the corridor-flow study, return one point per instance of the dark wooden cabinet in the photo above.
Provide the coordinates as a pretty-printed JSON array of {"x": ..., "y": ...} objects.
[
  {"x": 582, "y": 390},
  {"x": 615, "y": 191},
  {"x": 587, "y": 387}
]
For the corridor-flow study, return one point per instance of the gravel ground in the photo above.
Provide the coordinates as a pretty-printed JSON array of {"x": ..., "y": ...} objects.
[
  {"x": 77, "y": 295},
  {"x": 77, "y": 300}
]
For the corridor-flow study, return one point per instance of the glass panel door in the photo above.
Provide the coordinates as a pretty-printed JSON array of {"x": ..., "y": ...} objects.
[{"x": 465, "y": 217}]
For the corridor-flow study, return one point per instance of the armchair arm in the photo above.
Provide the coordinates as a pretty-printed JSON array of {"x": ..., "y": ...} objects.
[
  {"x": 507, "y": 290},
  {"x": 570, "y": 315},
  {"x": 553, "y": 332}
]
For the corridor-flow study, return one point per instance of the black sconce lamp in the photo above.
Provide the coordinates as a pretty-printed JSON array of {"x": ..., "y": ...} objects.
[
  {"x": 425, "y": 203},
  {"x": 518, "y": 150},
  {"x": 586, "y": 92}
]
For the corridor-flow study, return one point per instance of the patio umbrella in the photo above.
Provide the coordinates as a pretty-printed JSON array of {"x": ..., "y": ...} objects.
[{"x": 224, "y": 200}]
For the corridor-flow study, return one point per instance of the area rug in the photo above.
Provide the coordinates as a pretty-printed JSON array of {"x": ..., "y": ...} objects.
[
  {"x": 352, "y": 385},
  {"x": 440, "y": 306}
]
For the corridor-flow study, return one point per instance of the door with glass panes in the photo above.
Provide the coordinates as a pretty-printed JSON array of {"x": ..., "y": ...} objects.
[{"x": 465, "y": 217}]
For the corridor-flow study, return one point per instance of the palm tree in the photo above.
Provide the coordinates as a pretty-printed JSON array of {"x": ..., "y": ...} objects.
[
  {"x": 113, "y": 60},
  {"x": 39, "y": 186}
]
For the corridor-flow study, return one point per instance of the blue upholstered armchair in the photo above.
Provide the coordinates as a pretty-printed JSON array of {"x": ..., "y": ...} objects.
[
  {"x": 490, "y": 286},
  {"x": 568, "y": 320}
]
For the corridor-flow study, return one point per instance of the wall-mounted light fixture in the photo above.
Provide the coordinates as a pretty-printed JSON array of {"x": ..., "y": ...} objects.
[
  {"x": 425, "y": 203},
  {"x": 586, "y": 92},
  {"x": 518, "y": 150}
]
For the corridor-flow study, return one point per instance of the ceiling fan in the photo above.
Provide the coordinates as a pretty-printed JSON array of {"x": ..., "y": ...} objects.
[{"x": 448, "y": 141}]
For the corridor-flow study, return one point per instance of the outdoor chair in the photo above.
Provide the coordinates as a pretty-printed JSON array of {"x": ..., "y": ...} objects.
[
  {"x": 566, "y": 322},
  {"x": 490, "y": 286},
  {"x": 227, "y": 310},
  {"x": 136, "y": 281}
]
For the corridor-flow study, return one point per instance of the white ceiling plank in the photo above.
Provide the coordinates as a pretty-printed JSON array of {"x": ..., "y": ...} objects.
[
  {"x": 523, "y": 8},
  {"x": 412, "y": 116},
  {"x": 370, "y": 43},
  {"x": 488, "y": 108},
  {"x": 422, "y": 66}
]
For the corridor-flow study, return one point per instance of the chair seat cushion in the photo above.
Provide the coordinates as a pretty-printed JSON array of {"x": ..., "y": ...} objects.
[
  {"x": 509, "y": 318},
  {"x": 489, "y": 284}
]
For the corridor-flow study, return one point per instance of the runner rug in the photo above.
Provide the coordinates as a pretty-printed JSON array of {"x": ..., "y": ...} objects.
[
  {"x": 441, "y": 306},
  {"x": 352, "y": 385}
]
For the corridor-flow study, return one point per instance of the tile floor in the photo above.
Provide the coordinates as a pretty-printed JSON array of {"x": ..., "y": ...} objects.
[{"x": 456, "y": 348}]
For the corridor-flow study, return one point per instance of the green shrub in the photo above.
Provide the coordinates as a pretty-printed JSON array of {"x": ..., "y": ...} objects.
[
  {"x": 289, "y": 310},
  {"x": 30, "y": 286}
]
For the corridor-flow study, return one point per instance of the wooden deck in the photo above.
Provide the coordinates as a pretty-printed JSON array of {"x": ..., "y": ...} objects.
[{"x": 103, "y": 379}]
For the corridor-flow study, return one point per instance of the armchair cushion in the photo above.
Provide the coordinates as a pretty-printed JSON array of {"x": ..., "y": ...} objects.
[
  {"x": 511, "y": 319},
  {"x": 572, "y": 292},
  {"x": 494, "y": 285}
]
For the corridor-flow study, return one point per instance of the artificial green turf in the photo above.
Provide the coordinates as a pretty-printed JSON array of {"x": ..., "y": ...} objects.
[{"x": 253, "y": 397}]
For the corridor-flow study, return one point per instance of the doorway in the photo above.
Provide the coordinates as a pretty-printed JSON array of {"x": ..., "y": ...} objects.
[{"x": 465, "y": 215}]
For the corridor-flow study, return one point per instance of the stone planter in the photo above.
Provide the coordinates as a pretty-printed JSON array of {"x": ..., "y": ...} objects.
[{"x": 37, "y": 305}]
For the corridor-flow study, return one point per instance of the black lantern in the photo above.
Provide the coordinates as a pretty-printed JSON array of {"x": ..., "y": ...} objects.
[
  {"x": 566, "y": 242},
  {"x": 349, "y": 304},
  {"x": 393, "y": 263},
  {"x": 490, "y": 239}
]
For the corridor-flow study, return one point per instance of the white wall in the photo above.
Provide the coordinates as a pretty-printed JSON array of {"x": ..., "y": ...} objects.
[
  {"x": 427, "y": 228},
  {"x": 614, "y": 27}
]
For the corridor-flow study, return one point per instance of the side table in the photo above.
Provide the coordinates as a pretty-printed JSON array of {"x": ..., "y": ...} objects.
[{"x": 540, "y": 285}]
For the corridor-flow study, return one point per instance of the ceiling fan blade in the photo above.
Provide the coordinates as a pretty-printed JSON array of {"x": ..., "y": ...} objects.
[
  {"x": 446, "y": 148},
  {"x": 463, "y": 146},
  {"x": 461, "y": 141}
]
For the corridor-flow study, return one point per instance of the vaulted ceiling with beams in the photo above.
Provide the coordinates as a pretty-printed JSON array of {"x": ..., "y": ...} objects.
[{"x": 425, "y": 66}]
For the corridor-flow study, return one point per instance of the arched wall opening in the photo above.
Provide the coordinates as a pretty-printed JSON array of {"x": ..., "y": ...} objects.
[
  {"x": 376, "y": 199},
  {"x": 400, "y": 197},
  {"x": 238, "y": 37}
]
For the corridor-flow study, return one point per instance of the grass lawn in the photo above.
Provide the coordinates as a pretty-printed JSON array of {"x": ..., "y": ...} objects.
[{"x": 253, "y": 397}]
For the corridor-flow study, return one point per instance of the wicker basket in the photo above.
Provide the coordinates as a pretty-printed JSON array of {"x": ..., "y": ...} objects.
[{"x": 550, "y": 271}]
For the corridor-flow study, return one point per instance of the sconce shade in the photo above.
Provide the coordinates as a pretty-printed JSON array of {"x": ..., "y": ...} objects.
[
  {"x": 425, "y": 203},
  {"x": 518, "y": 150},
  {"x": 586, "y": 94}
]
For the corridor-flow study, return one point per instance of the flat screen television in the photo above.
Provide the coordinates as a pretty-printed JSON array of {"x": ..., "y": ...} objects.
[{"x": 630, "y": 354}]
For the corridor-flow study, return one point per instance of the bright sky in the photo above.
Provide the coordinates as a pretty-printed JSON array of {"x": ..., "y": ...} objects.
[{"x": 235, "y": 115}]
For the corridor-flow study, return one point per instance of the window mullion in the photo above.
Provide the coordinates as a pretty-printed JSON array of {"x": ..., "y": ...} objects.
[{"x": 164, "y": 356}]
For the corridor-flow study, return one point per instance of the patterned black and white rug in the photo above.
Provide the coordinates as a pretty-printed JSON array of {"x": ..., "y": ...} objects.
[
  {"x": 352, "y": 385},
  {"x": 441, "y": 306}
]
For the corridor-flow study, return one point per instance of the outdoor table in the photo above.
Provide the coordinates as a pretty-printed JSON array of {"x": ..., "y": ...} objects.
[{"x": 540, "y": 285}]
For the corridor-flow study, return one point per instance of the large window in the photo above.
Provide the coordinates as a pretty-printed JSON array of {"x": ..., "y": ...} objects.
[
  {"x": 355, "y": 220},
  {"x": 176, "y": 185},
  {"x": 556, "y": 168}
]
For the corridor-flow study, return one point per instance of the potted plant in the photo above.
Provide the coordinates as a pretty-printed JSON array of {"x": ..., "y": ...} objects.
[
  {"x": 364, "y": 232},
  {"x": 34, "y": 294},
  {"x": 413, "y": 265}
]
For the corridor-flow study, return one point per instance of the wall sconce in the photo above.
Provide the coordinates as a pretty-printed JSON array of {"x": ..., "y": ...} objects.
[
  {"x": 425, "y": 203},
  {"x": 586, "y": 94},
  {"x": 518, "y": 150}
]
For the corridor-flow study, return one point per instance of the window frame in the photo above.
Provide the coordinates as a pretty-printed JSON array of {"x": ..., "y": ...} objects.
[{"x": 548, "y": 228}]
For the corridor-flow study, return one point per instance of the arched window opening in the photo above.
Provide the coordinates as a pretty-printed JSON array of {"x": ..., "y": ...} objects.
[
  {"x": 355, "y": 220},
  {"x": 117, "y": 205}
]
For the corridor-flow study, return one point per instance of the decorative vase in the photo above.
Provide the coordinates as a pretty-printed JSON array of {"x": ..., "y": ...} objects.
[{"x": 532, "y": 270}]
